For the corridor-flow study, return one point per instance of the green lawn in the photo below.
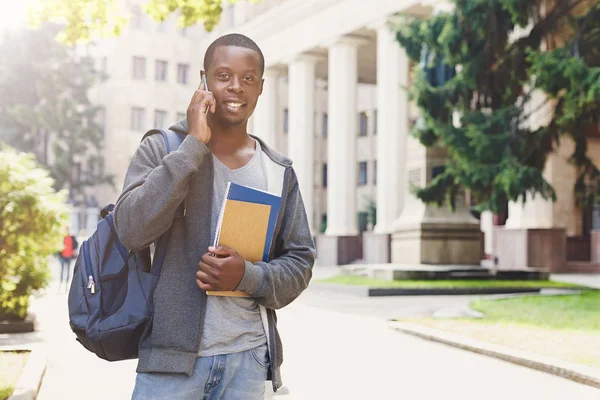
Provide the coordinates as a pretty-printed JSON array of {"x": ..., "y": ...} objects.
[
  {"x": 565, "y": 326},
  {"x": 11, "y": 365},
  {"x": 442, "y": 284}
]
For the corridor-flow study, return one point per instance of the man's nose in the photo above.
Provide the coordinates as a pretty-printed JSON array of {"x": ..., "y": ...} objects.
[{"x": 236, "y": 85}]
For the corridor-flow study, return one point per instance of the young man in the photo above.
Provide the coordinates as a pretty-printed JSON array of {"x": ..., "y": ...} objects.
[
  {"x": 213, "y": 347},
  {"x": 68, "y": 253}
]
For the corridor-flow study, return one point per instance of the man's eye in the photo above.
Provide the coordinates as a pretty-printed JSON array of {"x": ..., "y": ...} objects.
[
  {"x": 224, "y": 76},
  {"x": 249, "y": 78}
]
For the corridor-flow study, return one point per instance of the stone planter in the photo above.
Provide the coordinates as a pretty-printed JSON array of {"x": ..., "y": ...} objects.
[
  {"x": 533, "y": 248},
  {"x": 376, "y": 248},
  {"x": 8, "y": 326}
]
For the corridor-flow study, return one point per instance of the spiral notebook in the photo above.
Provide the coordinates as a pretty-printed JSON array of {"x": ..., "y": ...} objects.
[{"x": 246, "y": 223}]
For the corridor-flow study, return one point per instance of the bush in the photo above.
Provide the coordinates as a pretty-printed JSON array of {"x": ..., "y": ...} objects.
[{"x": 32, "y": 224}]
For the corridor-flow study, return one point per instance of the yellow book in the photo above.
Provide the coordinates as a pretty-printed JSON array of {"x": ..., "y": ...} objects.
[{"x": 246, "y": 224}]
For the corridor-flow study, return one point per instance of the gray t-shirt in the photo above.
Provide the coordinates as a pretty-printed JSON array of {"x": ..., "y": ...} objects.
[{"x": 232, "y": 324}]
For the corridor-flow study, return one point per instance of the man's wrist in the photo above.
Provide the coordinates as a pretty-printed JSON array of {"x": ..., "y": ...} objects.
[{"x": 251, "y": 279}]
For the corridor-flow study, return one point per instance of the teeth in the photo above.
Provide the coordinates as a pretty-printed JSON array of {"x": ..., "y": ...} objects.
[{"x": 235, "y": 105}]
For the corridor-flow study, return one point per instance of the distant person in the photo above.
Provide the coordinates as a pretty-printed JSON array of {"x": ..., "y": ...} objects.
[
  {"x": 68, "y": 253},
  {"x": 212, "y": 347}
]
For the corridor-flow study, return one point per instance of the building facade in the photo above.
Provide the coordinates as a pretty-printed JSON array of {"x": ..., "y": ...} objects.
[
  {"x": 153, "y": 70},
  {"x": 334, "y": 102}
]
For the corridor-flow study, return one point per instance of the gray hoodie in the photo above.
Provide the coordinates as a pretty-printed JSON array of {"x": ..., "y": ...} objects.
[{"x": 155, "y": 185}]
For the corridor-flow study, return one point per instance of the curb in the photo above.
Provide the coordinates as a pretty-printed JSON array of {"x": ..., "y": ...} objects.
[
  {"x": 366, "y": 291},
  {"x": 572, "y": 371},
  {"x": 30, "y": 381},
  {"x": 374, "y": 292}
]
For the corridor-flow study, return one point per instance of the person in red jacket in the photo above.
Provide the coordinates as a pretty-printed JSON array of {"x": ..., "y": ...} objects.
[{"x": 68, "y": 253}]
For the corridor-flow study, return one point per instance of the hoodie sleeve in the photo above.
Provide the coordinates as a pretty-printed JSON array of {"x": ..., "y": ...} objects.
[
  {"x": 277, "y": 283},
  {"x": 155, "y": 185}
]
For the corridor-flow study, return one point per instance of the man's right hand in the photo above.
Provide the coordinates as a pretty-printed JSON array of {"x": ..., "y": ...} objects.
[{"x": 197, "y": 116}]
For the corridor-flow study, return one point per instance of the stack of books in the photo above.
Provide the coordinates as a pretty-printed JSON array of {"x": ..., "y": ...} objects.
[{"x": 246, "y": 223}]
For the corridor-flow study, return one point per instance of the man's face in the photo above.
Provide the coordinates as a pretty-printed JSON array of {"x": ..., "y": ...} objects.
[{"x": 234, "y": 78}]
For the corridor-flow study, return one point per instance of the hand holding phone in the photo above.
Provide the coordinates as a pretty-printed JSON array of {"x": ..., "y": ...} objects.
[{"x": 202, "y": 102}]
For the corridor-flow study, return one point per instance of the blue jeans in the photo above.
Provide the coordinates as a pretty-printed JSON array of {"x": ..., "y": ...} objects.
[{"x": 236, "y": 376}]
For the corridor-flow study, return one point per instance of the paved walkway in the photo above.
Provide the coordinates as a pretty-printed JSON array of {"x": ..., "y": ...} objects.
[
  {"x": 336, "y": 347},
  {"x": 591, "y": 280}
]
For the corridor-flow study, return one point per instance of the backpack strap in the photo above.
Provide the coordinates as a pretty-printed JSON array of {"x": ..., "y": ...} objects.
[{"x": 173, "y": 140}]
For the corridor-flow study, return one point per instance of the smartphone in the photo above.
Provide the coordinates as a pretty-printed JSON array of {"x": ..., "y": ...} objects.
[
  {"x": 205, "y": 88},
  {"x": 204, "y": 81}
]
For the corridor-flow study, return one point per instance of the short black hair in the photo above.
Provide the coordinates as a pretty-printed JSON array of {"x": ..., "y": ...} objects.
[{"x": 237, "y": 40}]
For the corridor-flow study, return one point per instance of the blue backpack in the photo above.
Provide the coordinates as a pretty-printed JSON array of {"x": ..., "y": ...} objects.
[{"x": 111, "y": 295}]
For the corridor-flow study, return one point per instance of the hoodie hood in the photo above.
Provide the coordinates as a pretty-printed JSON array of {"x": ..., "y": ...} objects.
[{"x": 182, "y": 127}]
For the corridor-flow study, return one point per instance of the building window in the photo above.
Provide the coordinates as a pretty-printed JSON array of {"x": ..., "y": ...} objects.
[
  {"x": 286, "y": 116},
  {"x": 375, "y": 122},
  {"x": 136, "y": 17},
  {"x": 137, "y": 119},
  {"x": 325, "y": 122},
  {"x": 437, "y": 170},
  {"x": 161, "y": 70},
  {"x": 375, "y": 172},
  {"x": 596, "y": 217},
  {"x": 181, "y": 116},
  {"x": 160, "y": 119},
  {"x": 324, "y": 175},
  {"x": 362, "y": 173},
  {"x": 364, "y": 123},
  {"x": 101, "y": 119},
  {"x": 230, "y": 16},
  {"x": 182, "y": 73},
  {"x": 139, "y": 68},
  {"x": 103, "y": 65},
  {"x": 363, "y": 221},
  {"x": 323, "y": 226}
]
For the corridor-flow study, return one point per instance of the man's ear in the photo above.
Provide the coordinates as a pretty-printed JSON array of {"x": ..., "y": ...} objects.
[{"x": 262, "y": 85}]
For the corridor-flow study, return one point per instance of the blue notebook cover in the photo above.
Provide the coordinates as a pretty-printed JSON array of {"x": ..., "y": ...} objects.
[{"x": 251, "y": 195}]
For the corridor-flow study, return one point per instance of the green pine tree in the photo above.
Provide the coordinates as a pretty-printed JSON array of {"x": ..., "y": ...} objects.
[
  {"x": 45, "y": 109},
  {"x": 492, "y": 152}
]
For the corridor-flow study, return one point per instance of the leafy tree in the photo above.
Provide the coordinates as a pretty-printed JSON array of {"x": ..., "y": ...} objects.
[
  {"x": 501, "y": 51},
  {"x": 45, "y": 108},
  {"x": 32, "y": 221},
  {"x": 85, "y": 18}
]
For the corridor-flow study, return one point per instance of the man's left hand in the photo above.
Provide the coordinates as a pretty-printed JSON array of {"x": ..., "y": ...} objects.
[{"x": 222, "y": 268}]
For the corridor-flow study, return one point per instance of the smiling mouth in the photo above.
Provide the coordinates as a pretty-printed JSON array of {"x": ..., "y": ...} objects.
[{"x": 233, "y": 106}]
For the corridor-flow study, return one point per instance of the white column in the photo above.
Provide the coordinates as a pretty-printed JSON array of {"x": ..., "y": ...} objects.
[
  {"x": 301, "y": 136},
  {"x": 342, "y": 219},
  {"x": 392, "y": 127},
  {"x": 265, "y": 115}
]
